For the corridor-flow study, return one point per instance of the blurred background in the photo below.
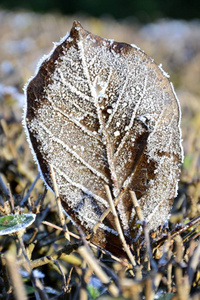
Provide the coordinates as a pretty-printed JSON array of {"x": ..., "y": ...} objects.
[
  {"x": 168, "y": 31},
  {"x": 143, "y": 10}
]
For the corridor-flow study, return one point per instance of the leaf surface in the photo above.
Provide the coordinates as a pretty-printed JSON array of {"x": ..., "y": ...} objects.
[
  {"x": 102, "y": 112},
  {"x": 13, "y": 223}
]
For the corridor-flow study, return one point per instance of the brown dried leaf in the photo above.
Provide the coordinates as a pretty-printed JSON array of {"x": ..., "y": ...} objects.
[{"x": 102, "y": 112}]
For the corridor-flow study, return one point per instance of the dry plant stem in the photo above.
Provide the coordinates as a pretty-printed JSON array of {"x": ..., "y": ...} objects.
[
  {"x": 83, "y": 294},
  {"x": 12, "y": 205},
  {"x": 193, "y": 264},
  {"x": 187, "y": 226},
  {"x": 40, "y": 294},
  {"x": 190, "y": 235},
  {"x": 182, "y": 289},
  {"x": 43, "y": 215},
  {"x": 61, "y": 271},
  {"x": 32, "y": 238},
  {"x": 156, "y": 281},
  {"x": 195, "y": 236},
  {"x": 58, "y": 201},
  {"x": 19, "y": 236},
  {"x": 118, "y": 226},
  {"x": 136, "y": 206},
  {"x": 167, "y": 252},
  {"x": 40, "y": 200},
  {"x": 93, "y": 264},
  {"x": 91, "y": 244},
  {"x": 25, "y": 199},
  {"x": 5, "y": 275},
  {"x": 61, "y": 229},
  {"x": 149, "y": 293},
  {"x": 169, "y": 278},
  {"x": 4, "y": 188},
  {"x": 83, "y": 288},
  {"x": 19, "y": 289},
  {"x": 112, "y": 273},
  {"x": 149, "y": 251},
  {"x": 176, "y": 232},
  {"x": 69, "y": 278},
  {"x": 30, "y": 249},
  {"x": 61, "y": 254},
  {"x": 165, "y": 259},
  {"x": 5, "y": 128},
  {"x": 106, "y": 212}
]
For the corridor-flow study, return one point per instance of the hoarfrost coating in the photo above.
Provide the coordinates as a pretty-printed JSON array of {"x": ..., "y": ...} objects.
[{"x": 105, "y": 114}]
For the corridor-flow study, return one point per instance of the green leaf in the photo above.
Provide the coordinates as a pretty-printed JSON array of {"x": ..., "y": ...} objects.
[
  {"x": 93, "y": 292},
  {"x": 13, "y": 223}
]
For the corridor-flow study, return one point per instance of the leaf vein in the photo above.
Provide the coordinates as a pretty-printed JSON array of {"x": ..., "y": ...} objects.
[
  {"x": 68, "y": 149},
  {"x": 81, "y": 187},
  {"x": 131, "y": 121}
]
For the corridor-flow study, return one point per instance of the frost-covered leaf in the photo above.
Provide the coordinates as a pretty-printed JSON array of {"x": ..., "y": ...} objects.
[
  {"x": 102, "y": 112},
  {"x": 13, "y": 223}
]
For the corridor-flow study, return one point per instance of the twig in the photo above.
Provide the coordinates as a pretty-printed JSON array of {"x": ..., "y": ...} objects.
[
  {"x": 83, "y": 288},
  {"x": 96, "y": 264},
  {"x": 25, "y": 199},
  {"x": 191, "y": 234},
  {"x": 58, "y": 201},
  {"x": 5, "y": 275},
  {"x": 90, "y": 243},
  {"x": 61, "y": 254},
  {"x": 40, "y": 200},
  {"x": 193, "y": 264},
  {"x": 149, "y": 251},
  {"x": 195, "y": 236},
  {"x": 33, "y": 236},
  {"x": 166, "y": 260},
  {"x": 187, "y": 226},
  {"x": 182, "y": 289},
  {"x": 39, "y": 293},
  {"x": 93, "y": 264},
  {"x": 169, "y": 277},
  {"x": 4, "y": 188},
  {"x": 19, "y": 289},
  {"x": 69, "y": 278},
  {"x": 177, "y": 231},
  {"x": 61, "y": 229},
  {"x": 83, "y": 293},
  {"x": 12, "y": 205},
  {"x": 61, "y": 271},
  {"x": 42, "y": 215},
  {"x": 156, "y": 282},
  {"x": 118, "y": 226},
  {"x": 107, "y": 211},
  {"x": 136, "y": 206},
  {"x": 149, "y": 293}
]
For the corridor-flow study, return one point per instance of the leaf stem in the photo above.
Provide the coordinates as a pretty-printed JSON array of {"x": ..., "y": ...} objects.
[{"x": 118, "y": 226}]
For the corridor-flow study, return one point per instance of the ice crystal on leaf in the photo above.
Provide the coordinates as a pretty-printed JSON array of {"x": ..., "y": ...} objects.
[{"x": 102, "y": 112}]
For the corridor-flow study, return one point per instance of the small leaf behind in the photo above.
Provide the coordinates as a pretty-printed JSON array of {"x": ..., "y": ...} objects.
[{"x": 13, "y": 223}]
